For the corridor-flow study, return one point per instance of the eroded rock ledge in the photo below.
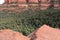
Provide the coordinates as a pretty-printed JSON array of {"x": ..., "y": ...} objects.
[{"x": 42, "y": 4}]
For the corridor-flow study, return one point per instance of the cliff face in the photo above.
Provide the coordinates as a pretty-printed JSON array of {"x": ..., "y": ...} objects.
[{"x": 43, "y": 4}]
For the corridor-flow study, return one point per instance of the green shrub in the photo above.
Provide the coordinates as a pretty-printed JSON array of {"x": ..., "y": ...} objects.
[{"x": 27, "y": 21}]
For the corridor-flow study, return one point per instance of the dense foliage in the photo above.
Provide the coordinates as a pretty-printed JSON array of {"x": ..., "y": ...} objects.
[{"x": 29, "y": 20}]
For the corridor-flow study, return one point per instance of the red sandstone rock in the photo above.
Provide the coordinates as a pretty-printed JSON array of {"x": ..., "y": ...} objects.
[
  {"x": 32, "y": 5},
  {"x": 45, "y": 1},
  {"x": 33, "y": 1},
  {"x": 21, "y": 1},
  {"x": 44, "y": 6},
  {"x": 9, "y": 1},
  {"x": 56, "y": 5},
  {"x": 14, "y": 1},
  {"x": 45, "y": 33},
  {"x": 23, "y": 6},
  {"x": 11, "y": 35},
  {"x": 6, "y": 1}
]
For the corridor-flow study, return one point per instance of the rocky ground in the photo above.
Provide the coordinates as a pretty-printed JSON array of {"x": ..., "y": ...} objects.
[{"x": 43, "y": 33}]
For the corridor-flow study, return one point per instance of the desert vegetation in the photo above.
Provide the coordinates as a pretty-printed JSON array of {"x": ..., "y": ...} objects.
[{"x": 27, "y": 21}]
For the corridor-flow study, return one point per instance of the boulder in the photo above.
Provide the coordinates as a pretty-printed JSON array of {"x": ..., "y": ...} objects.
[
  {"x": 11, "y": 35},
  {"x": 45, "y": 33}
]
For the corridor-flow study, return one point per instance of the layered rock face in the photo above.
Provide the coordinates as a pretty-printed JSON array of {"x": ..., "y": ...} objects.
[
  {"x": 43, "y": 4},
  {"x": 11, "y": 35},
  {"x": 15, "y": 1},
  {"x": 45, "y": 33}
]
